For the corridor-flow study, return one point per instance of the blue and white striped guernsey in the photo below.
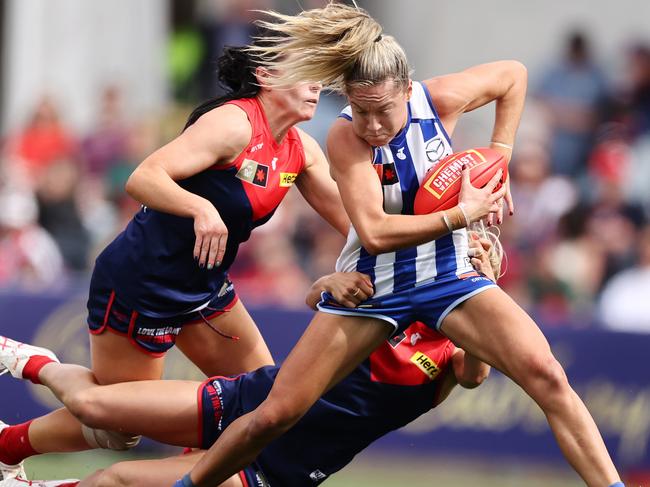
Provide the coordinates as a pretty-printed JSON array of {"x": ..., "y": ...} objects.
[{"x": 401, "y": 166}]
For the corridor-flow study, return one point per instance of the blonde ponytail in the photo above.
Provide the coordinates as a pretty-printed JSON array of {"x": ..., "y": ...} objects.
[
  {"x": 337, "y": 45},
  {"x": 496, "y": 254}
]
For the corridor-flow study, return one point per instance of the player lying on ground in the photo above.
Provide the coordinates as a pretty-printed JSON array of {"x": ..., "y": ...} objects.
[{"x": 403, "y": 379}]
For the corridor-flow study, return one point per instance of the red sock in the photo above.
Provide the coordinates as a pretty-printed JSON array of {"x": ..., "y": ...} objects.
[
  {"x": 69, "y": 484},
  {"x": 34, "y": 366},
  {"x": 15, "y": 445}
]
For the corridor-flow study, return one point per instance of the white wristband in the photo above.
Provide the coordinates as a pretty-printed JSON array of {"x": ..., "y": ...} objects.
[
  {"x": 445, "y": 218},
  {"x": 501, "y": 144},
  {"x": 462, "y": 208}
]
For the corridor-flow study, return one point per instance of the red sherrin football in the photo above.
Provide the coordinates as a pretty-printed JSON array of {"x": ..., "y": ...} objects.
[{"x": 441, "y": 184}]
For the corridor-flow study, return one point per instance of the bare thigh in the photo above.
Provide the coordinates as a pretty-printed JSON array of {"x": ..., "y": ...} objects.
[
  {"x": 164, "y": 410},
  {"x": 495, "y": 329},
  {"x": 149, "y": 473},
  {"x": 115, "y": 359},
  {"x": 218, "y": 355},
  {"x": 331, "y": 347}
]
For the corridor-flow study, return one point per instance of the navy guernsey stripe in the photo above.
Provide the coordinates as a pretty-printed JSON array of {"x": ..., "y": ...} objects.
[
  {"x": 445, "y": 255},
  {"x": 435, "y": 112},
  {"x": 404, "y": 267},
  {"x": 366, "y": 264}
]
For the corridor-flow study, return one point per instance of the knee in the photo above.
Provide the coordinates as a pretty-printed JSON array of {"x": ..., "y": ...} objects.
[
  {"x": 118, "y": 475},
  {"x": 546, "y": 380},
  {"x": 109, "y": 440},
  {"x": 273, "y": 418},
  {"x": 87, "y": 407}
]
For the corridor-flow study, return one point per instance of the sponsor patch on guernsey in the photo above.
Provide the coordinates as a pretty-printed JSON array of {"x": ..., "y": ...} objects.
[
  {"x": 425, "y": 364},
  {"x": 287, "y": 179},
  {"x": 253, "y": 172}
]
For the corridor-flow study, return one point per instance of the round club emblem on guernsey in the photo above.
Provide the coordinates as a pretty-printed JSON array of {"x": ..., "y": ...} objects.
[{"x": 435, "y": 149}]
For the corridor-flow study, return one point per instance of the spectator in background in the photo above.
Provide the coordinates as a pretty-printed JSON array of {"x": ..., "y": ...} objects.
[
  {"x": 106, "y": 145},
  {"x": 635, "y": 97},
  {"x": 577, "y": 260},
  {"x": 541, "y": 196},
  {"x": 224, "y": 23},
  {"x": 625, "y": 303},
  {"x": 42, "y": 141},
  {"x": 572, "y": 92},
  {"x": 615, "y": 223},
  {"x": 29, "y": 257},
  {"x": 59, "y": 213}
]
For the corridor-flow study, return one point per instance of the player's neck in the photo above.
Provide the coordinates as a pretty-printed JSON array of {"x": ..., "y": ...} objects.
[{"x": 278, "y": 119}]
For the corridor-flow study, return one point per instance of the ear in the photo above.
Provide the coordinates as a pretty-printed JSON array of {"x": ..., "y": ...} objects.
[
  {"x": 409, "y": 90},
  {"x": 262, "y": 74}
]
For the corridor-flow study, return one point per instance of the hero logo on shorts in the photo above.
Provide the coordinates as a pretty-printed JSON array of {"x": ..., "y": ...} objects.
[
  {"x": 287, "y": 179},
  {"x": 434, "y": 149},
  {"x": 253, "y": 172},
  {"x": 447, "y": 175},
  {"x": 425, "y": 364}
]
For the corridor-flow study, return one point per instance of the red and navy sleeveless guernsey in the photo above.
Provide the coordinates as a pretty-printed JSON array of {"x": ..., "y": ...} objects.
[
  {"x": 151, "y": 266},
  {"x": 400, "y": 381}
]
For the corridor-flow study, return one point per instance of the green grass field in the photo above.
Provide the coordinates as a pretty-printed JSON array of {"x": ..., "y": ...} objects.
[{"x": 367, "y": 470}]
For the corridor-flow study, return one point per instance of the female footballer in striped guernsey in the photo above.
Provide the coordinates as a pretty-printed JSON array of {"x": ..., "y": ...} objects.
[{"x": 416, "y": 262}]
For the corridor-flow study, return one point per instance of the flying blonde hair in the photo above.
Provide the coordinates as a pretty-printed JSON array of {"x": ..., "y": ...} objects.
[
  {"x": 337, "y": 45},
  {"x": 496, "y": 254}
]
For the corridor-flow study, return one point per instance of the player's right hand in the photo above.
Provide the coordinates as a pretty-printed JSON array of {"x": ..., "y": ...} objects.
[
  {"x": 211, "y": 237},
  {"x": 480, "y": 202},
  {"x": 479, "y": 254}
]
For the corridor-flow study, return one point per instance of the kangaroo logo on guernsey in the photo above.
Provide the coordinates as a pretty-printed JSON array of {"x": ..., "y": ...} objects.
[{"x": 425, "y": 364}]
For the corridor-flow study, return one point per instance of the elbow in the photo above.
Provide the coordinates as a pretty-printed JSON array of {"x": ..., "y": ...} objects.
[
  {"x": 475, "y": 380},
  {"x": 373, "y": 244},
  {"x": 518, "y": 71},
  {"x": 131, "y": 184}
]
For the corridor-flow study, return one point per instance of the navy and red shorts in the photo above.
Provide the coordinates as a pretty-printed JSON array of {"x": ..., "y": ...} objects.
[
  {"x": 221, "y": 400},
  {"x": 154, "y": 336}
]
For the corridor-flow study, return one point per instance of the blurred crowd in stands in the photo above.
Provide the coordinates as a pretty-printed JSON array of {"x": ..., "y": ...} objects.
[{"x": 578, "y": 247}]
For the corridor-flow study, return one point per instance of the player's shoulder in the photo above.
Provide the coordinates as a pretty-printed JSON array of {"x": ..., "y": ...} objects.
[
  {"x": 313, "y": 153},
  {"x": 341, "y": 139},
  {"x": 227, "y": 125},
  {"x": 308, "y": 142}
]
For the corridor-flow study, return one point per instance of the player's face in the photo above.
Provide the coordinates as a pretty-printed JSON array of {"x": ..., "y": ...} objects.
[
  {"x": 299, "y": 100},
  {"x": 302, "y": 99},
  {"x": 380, "y": 111}
]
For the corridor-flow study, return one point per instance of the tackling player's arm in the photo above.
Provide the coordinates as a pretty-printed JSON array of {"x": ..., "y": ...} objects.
[
  {"x": 348, "y": 288},
  {"x": 504, "y": 82},
  {"x": 362, "y": 195},
  {"x": 318, "y": 188},
  {"x": 218, "y": 137}
]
